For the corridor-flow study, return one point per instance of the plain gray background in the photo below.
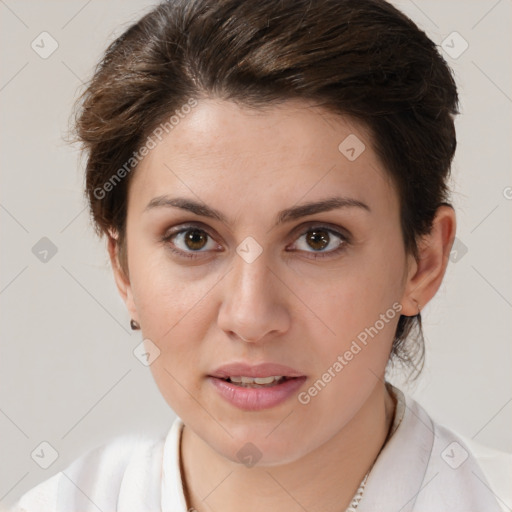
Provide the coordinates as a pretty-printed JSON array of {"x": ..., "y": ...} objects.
[{"x": 68, "y": 374}]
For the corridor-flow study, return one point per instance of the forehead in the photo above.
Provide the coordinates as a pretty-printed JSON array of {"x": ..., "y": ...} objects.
[
  {"x": 292, "y": 150},
  {"x": 294, "y": 130}
]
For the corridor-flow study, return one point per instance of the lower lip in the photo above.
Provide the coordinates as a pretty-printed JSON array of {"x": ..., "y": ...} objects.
[{"x": 256, "y": 399}]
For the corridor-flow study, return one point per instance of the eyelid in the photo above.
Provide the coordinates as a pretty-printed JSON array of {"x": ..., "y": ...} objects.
[
  {"x": 340, "y": 233},
  {"x": 300, "y": 229},
  {"x": 331, "y": 228},
  {"x": 187, "y": 226},
  {"x": 296, "y": 233},
  {"x": 176, "y": 230}
]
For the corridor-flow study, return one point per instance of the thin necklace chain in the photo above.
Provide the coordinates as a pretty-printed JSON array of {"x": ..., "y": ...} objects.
[{"x": 358, "y": 495}]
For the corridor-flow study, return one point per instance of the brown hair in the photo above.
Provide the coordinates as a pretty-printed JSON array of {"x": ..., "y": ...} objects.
[{"x": 362, "y": 58}]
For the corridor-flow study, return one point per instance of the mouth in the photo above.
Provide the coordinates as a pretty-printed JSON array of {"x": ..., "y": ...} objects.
[
  {"x": 255, "y": 393},
  {"x": 257, "y": 382},
  {"x": 256, "y": 387}
]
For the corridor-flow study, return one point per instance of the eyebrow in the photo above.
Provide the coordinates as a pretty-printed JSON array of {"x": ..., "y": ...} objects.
[{"x": 283, "y": 216}]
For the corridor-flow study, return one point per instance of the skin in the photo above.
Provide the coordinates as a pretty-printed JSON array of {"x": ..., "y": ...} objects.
[{"x": 289, "y": 307}]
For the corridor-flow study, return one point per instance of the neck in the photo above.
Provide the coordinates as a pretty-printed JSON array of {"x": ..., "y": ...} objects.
[{"x": 325, "y": 479}]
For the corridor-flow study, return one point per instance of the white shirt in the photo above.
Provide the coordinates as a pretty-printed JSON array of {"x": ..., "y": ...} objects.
[{"x": 423, "y": 467}]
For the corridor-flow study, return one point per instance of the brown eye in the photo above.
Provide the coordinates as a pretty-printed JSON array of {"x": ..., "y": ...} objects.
[
  {"x": 189, "y": 242},
  {"x": 318, "y": 239},
  {"x": 321, "y": 242},
  {"x": 195, "y": 239}
]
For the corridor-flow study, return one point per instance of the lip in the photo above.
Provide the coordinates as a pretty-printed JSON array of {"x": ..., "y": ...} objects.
[
  {"x": 256, "y": 399},
  {"x": 258, "y": 370}
]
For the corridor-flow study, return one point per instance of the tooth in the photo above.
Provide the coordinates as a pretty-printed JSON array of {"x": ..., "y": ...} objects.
[
  {"x": 255, "y": 381},
  {"x": 264, "y": 380}
]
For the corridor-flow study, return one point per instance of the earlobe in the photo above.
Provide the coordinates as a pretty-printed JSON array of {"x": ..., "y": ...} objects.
[
  {"x": 433, "y": 254},
  {"x": 120, "y": 277}
]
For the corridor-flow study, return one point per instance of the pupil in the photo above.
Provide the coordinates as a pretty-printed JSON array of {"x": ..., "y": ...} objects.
[
  {"x": 318, "y": 237},
  {"x": 194, "y": 237}
]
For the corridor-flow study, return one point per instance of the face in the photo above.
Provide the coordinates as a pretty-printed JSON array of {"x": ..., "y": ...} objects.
[{"x": 319, "y": 293}]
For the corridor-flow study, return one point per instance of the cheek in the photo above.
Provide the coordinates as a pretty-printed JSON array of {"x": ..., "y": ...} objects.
[
  {"x": 362, "y": 310},
  {"x": 165, "y": 293},
  {"x": 360, "y": 304},
  {"x": 172, "y": 313},
  {"x": 360, "y": 291}
]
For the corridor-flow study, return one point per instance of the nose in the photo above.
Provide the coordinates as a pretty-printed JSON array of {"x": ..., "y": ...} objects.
[{"x": 254, "y": 304}]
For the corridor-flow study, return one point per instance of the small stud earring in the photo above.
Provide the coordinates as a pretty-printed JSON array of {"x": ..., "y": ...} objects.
[
  {"x": 418, "y": 306},
  {"x": 134, "y": 325}
]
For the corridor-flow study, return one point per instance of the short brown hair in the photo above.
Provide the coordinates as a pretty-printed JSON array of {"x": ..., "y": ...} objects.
[{"x": 362, "y": 58}]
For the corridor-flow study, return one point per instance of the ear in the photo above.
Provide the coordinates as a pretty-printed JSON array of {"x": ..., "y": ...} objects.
[
  {"x": 427, "y": 272},
  {"x": 120, "y": 276}
]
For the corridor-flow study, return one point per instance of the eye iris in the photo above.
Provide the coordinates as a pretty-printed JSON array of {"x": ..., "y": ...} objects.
[
  {"x": 318, "y": 237},
  {"x": 193, "y": 237}
]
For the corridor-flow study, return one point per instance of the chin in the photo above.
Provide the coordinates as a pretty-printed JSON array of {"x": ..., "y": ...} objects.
[{"x": 251, "y": 447}]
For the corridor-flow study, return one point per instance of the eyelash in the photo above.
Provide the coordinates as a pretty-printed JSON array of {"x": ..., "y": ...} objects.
[{"x": 315, "y": 255}]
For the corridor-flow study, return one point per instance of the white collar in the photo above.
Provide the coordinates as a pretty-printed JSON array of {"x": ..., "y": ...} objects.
[{"x": 410, "y": 474}]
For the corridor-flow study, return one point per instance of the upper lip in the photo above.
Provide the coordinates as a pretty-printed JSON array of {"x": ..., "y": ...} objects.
[{"x": 258, "y": 370}]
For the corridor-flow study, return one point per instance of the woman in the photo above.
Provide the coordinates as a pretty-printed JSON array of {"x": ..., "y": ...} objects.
[{"x": 271, "y": 178}]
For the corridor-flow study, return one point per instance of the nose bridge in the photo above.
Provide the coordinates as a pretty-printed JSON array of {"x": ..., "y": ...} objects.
[
  {"x": 250, "y": 305},
  {"x": 250, "y": 281}
]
